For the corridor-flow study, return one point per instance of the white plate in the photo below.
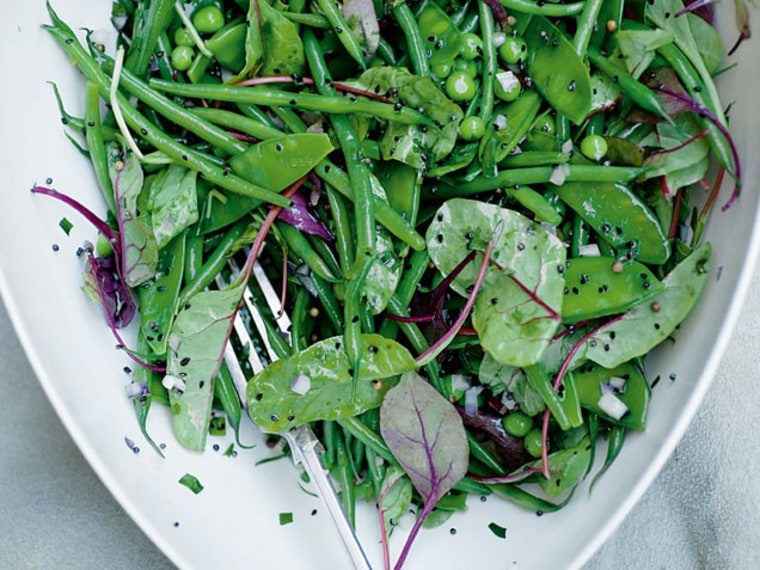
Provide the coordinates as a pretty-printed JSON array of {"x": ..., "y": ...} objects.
[{"x": 234, "y": 521}]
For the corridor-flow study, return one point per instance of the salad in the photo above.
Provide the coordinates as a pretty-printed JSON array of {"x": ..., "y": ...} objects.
[{"x": 482, "y": 216}]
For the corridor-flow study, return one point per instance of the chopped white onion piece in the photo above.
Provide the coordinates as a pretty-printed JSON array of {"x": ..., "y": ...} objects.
[
  {"x": 507, "y": 80},
  {"x": 173, "y": 383},
  {"x": 301, "y": 384},
  {"x": 508, "y": 401},
  {"x": 460, "y": 382},
  {"x": 471, "y": 400},
  {"x": 617, "y": 383},
  {"x": 498, "y": 39},
  {"x": 589, "y": 250},
  {"x": 611, "y": 405},
  {"x": 559, "y": 173},
  {"x": 500, "y": 122},
  {"x": 549, "y": 228},
  {"x": 567, "y": 146}
]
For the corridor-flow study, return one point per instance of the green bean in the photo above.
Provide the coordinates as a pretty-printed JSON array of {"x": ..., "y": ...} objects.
[
  {"x": 163, "y": 59},
  {"x": 376, "y": 472},
  {"x": 303, "y": 251},
  {"x": 358, "y": 171},
  {"x": 145, "y": 377},
  {"x": 329, "y": 435},
  {"x": 329, "y": 302},
  {"x": 254, "y": 112},
  {"x": 638, "y": 92},
  {"x": 534, "y": 158},
  {"x": 194, "y": 246},
  {"x": 158, "y": 18},
  {"x": 290, "y": 119},
  {"x": 414, "y": 43},
  {"x": 544, "y": 8},
  {"x": 346, "y": 37},
  {"x": 489, "y": 61},
  {"x": 370, "y": 438},
  {"x": 300, "y": 308},
  {"x": 385, "y": 51},
  {"x": 586, "y": 25},
  {"x": 262, "y": 95},
  {"x": 160, "y": 140},
  {"x": 326, "y": 253},
  {"x": 215, "y": 262},
  {"x": 346, "y": 481},
  {"x": 176, "y": 113},
  {"x": 536, "y": 175},
  {"x": 344, "y": 243},
  {"x": 225, "y": 393},
  {"x": 481, "y": 453},
  {"x": 306, "y": 19},
  {"x": 236, "y": 122},
  {"x": 385, "y": 215},
  {"x": 280, "y": 346},
  {"x": 96, "y": 144}
]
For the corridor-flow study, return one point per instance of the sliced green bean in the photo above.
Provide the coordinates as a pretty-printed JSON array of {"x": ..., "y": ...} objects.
[
  {"x": 96, "y": 144},
  {"x": 414, "y": 43}
]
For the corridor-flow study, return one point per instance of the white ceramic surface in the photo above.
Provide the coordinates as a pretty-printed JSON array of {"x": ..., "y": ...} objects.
[{"x": 234, "y": 521}]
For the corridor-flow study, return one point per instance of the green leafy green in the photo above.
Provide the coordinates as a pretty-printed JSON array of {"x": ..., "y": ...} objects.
[{"x": 174, "y": 202}]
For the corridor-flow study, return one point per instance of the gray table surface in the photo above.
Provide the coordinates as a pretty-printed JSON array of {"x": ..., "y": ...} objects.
[{"x": 55, "y": 513}]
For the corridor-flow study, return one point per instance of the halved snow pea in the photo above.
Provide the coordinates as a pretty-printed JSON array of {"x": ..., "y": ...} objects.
[
  {"x": 590, "y": 381},
  {"x": 620, "y": 218},
  {"x": 559, "y": 74},
  {"x": 647, "y": 324},
  {"x": 598, "y": 286},
  {"x": 278, "y": 162},
  {"x": 325, "y": 376},
  {"x": 565, "y": 408},
  {"x": 441, "y": 37}
]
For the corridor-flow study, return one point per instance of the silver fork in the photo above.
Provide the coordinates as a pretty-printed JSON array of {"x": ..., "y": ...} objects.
[{"x": 304, "y": 445}]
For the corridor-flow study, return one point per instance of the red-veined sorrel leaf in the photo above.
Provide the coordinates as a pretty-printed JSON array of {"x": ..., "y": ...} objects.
[
  {"x": 426, "y": 436},
  {"x": 139, "y": 250}
]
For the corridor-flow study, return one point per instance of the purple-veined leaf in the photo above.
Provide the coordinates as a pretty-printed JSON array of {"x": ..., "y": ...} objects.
[
  {"x": 102, "y": 276},
  {"x": 300, "y": 216},
  {"x": 196, "y": 345},
  {"x": 139, "y": 251},
  {"x": 426, "y": 436}
]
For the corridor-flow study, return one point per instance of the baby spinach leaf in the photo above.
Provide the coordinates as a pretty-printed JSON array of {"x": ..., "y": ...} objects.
[
  {"x": 174, "y": 202},
  {"x": 196, "y": 345},
  {"x": 517, "y": 309},
  {"x": 685, "y": 155},
  {"x": 638, "y": 47},
  {"x": 648, "y": 324},
  {"x": 139, "y": 251},
  {"x": 426, "y": 436},
  {"x": 384, "y": 274},
  {"x": 395, "y": 495},
  {"x": 325, "y": 369},
  {"x": 254, "y": 45},
  {"x": 283, "y": 47}
]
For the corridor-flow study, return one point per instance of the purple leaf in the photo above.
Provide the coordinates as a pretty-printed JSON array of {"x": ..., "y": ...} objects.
[
  {"x": 702, "y": 8},
  {"x": 299, "y": 216},
  {"x": 103, "y": 276},
  {"x": 426, "y": 436}
]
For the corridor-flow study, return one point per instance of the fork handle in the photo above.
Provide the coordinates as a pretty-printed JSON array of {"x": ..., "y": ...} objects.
[{"x": 306, "y": 444}]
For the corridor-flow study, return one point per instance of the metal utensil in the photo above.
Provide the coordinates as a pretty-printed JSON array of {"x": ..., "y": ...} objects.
[{"x": 304, "y": 445}]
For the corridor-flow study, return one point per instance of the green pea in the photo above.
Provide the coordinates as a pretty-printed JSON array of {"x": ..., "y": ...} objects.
[
  {"x": 460, "y": 86},
  {"x": 470, "y": 46},
  {"x": 594, "y": 147},
  {"x": 208, "y": 20},
  {"x": 472, "y": 128},
  {"x": 533, "y": 443},
  {"x": 441, "y": 70},
  {"x": 103, "y": 247},
  {"x": 518, "y": 424},
  {"x": 182, "y": 57},
  {"x": 513, "y": 50},
  {"x": 466, "y": 65},
  {"x": 182, "y": 37},
  {"x": 507, "y": 87}
]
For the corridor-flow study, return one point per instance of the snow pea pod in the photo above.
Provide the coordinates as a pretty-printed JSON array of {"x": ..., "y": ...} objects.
[
  {"x": 228, "y": 46},
  {"x": 565, "y": 408},
  {"x": 558, "y": 73},
  {"x": 592, "y": 381},
  {"x": 498, "y": 143},
  {"x": 158, "y": 296},
  {"x": 544, "y": 8},
  {"x": 598, "y": 286},
  {"x": 646, "y": 325},
  {"x": 326, "y": 370},
  {"x": 442, "y": 38},
  {"x": 350, "y": 42},
  {"x": 277, "y": 163},
  {"x": 536, "y": 203},
  {"x": 620, "y": 217},
  {"x": 533, "y": 158},
  {"x": 157, "y": 20}
]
